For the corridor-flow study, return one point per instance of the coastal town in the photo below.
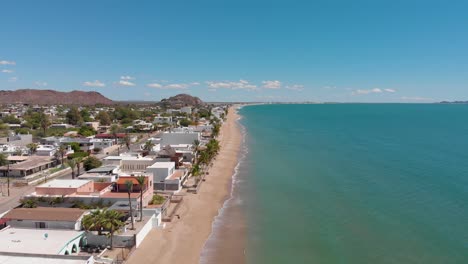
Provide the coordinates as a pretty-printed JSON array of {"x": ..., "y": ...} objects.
[{"x": 102, "y": 183}]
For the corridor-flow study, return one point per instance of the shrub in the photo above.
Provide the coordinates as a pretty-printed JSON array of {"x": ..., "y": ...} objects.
[
  {"x": 91, "y": 163},
  {"x": 157, "y": 199}
]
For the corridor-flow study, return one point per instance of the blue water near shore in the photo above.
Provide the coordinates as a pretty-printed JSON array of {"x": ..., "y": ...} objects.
[{"x": 357, "y": 183}]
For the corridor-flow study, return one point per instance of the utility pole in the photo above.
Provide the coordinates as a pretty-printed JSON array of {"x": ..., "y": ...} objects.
[{"x": 8, "y": 178}]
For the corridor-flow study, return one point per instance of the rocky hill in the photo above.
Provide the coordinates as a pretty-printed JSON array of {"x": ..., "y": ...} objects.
[
  {"x": 182, "y": 100},
  {"x": 49, "y": 97}
]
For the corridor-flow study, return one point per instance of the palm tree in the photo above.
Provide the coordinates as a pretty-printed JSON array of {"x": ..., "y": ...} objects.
[
  {"x": 141, "y": 182},
  {"x": 114, "y": 129},
  {"x": 93, "y": 221},
  {"x": 111, "y": 221},
  {"x": 148, "y": 145},
  {"x": 129, "y": 185},
  {"x": 127, "y": 141},
  {"x": 78, "y": 160},
  {"x": 72, "y": 164},
  {"x": 3, "y": 159},
  {"x": 32, "y": 147},
  {"x": 44, "y": 122},
  {"x": 62, "y": 150}
]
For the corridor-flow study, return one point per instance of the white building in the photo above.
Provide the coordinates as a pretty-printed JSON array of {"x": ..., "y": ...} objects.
[
  {"x": 179, "y": 138},
  {"x": 46, "y": 150},
  {"x": 186, "y": 109},
  {"x": 166, "y": 177},
  {"x": 45, "y": 218},
  {"x": 40, "y": 241},
  {"x": 163, "y": 120}
]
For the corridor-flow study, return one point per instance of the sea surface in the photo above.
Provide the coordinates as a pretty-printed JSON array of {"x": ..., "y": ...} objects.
[{"x": 351, "y": 183}]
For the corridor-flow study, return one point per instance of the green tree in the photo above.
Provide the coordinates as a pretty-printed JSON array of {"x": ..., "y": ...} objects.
[
  {"x": 129, "y": 185},
  {"x": 3, "y": 159},
  {"x": 85, "y": 115},
  {"x": 93, "y": 221},
  {"x": 141, "y": 182},
  {"x": 78, "y": 161},
  {"x": 148, "y": 145},
  {"x": 44, "y": 122},
  {"x": 104, "y": 118},
  {"x": 74, "y": 116},
  {"x": 91, "y": 163},
  {"x": 114, "y": 130},
  {"x": 127, "y": 141},
  {"x": 11, "y": 119},
  {"x": 86, "y": 131},
  {"x": 32, "y": 147},
  {"x": 112, "y": 222},
  {"x": 61, "y": 151},
  {"x": 72, "y": 163},
  {"x": 185, "y": 122}
]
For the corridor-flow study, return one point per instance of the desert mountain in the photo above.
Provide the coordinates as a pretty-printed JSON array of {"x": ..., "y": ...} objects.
[
  {"x": 49, "y": 97},
  {"x": 182, "y": 100}
]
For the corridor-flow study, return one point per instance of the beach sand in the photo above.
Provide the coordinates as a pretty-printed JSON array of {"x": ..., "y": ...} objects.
[{"x": 182, "y": 240}]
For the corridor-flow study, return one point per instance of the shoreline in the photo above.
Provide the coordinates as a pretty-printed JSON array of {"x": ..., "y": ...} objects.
[{"x": 183, "y": 240}]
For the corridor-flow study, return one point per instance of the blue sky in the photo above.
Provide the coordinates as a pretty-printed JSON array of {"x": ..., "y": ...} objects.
[{"x": 239, "y": 50}]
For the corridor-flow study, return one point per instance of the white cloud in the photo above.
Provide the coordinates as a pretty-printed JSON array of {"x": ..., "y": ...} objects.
[
  {"x": 125, "y": 83},
  {"x": 241, "y": 84},
  {"x": 177, "y": 86},
  {"x": 373, "y": 91},
  {"x": 127, "y": 78},
  {"x": 416, "y": 98},
  {"x": 295, "y": 87},
  {"x": 7, "y": 71},
  {"x": 39, "y": 83},
  {"x": 154, "y": 85},
  {"x": 173, "y": 86},
  {"x": 13, "y": 79},
  {"x": 95, "y": 83},
  {"x": 4, "y": 62},
  {"x": 195, "y": 83},
  {"x": 271, "y": 84}
]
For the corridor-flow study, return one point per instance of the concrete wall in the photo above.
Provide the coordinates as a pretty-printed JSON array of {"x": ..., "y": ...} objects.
[
  {"x": 118, "y": 240},
  {"x": 144, "y": 231}
]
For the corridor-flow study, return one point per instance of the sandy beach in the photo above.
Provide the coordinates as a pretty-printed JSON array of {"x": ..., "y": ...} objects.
[{"x": 182, "y": 240}]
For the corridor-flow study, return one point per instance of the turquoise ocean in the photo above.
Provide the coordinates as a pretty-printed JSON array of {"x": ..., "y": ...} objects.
[{"x": 352, "y": 183}]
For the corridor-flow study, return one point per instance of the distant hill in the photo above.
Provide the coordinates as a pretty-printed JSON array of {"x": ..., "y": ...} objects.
[
  {"x": 454, "y": 102},
  {"x": 49, "y": 97},
  {"x": 182, "y": 100}
]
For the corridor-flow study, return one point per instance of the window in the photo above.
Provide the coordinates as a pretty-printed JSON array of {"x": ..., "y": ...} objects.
[{"x": 41, "y": 225}]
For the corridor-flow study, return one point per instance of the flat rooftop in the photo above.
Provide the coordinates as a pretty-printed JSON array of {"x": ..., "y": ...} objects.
[
  {"x": 176, "y": 175},
  {"x": 103, "y": 169},
  {"x": 31, "y": 163},
  {"x": 24, "y": 259},
  {"x": 125, "y": 158},
  {"x": 64, "y": 184},
  {"x": 45, "y": 214},
  {"x": 163, "y": 164},
  {"x": 33, "y": 241}
]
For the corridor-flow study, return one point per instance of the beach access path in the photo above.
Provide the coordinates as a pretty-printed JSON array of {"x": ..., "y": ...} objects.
[{"x": 182, "y": 240}]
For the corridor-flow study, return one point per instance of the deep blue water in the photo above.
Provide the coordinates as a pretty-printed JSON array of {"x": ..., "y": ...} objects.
[{"x": 357, "y": 183}]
